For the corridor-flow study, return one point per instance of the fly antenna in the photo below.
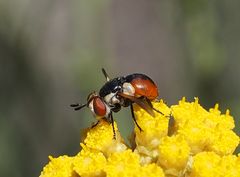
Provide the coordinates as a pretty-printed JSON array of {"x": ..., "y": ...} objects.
[
  {"x": 77, "y": 106},
  {"x": 105, "y": 74}
]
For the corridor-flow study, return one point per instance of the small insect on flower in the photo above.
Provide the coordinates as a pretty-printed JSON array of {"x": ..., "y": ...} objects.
[{"x": 121, "y": 92}]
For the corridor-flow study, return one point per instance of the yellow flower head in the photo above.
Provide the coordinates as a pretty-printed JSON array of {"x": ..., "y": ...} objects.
[
  {"x": 88, "y": 163},
  {"x": 209, "y": 164},
  {"x": 100, "y": 138},
  {"x": 201, "y": 144},
  {"x": 127, "y": 164},
  {"x": 173, "y": 154},
  {"x": 205, "y": 130},
  {"x": 59, "y": 167},
  {"x": 205, "y": 164},
  {"x": 154, "y": 128},
  {"x": 151, "y": 170},
  {"x": 124, "y": 163}
]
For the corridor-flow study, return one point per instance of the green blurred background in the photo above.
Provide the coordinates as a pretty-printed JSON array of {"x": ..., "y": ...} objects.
[{"x": 52, "y": 52}]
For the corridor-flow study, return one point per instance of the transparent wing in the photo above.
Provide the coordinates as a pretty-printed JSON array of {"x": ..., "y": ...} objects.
[{"x": 141, "y": 102}]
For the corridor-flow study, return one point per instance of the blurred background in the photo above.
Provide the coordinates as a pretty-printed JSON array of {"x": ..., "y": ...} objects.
[{"x": 52, "y": 52}]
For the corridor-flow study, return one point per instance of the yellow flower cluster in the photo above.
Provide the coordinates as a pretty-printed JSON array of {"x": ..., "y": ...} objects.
[{"x": 185, "y": 141}]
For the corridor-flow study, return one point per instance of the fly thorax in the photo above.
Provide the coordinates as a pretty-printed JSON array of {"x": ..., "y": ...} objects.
[{"x": 111, "y": 99}]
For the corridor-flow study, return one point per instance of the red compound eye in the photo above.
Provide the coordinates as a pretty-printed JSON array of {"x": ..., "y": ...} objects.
[{"x": 99, "y": 107}]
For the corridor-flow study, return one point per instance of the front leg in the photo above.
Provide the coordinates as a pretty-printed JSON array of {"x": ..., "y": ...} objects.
[
  {"x": 110, "y": 118},
  {"x": 94, "y": 125}
]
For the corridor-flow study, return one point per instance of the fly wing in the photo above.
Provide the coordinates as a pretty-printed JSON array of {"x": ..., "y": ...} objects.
[{"x": 140, "y": 102}]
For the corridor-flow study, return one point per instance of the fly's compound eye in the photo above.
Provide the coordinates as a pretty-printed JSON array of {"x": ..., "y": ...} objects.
[{"x": 99, "y": 107}]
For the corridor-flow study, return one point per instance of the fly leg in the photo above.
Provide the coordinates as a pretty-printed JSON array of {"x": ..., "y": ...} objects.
[
  {"x": 150, "y": 104},
  {"x": 134, "y": 119},
  {"x": 171, "y": 121},
  {"x": 112, "y": 122},
  {"x": 94, "y": 125}
]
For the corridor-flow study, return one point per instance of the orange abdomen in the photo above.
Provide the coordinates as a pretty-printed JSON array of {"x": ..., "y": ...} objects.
[{"x": 144, "y": 86}]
